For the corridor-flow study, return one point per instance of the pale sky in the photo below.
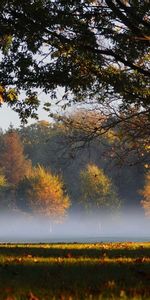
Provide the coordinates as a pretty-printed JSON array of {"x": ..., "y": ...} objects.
[{"x": 7, "y": 116}]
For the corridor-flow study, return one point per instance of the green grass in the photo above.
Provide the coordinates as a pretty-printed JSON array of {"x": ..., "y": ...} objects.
[{"x": 75, "y": 271}]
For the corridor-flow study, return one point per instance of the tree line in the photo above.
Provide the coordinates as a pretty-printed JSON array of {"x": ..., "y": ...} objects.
[{"x": 40, "y": 174}]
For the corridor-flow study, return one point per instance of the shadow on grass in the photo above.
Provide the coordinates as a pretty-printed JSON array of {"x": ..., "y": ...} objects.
[
  {"x": 55, "y": 278},
  {"x": 75, "y": 252}
]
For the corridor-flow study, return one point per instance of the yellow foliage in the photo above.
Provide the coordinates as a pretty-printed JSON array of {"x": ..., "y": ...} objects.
[
  {"x": 1, "y": 94},
  {"x": 3, "y": 182},
  {"x": 94, "y": 178},
  {"x": 46, "y": 194},
  {"x": 43, "y": 123},
  {"x": 97, "y": 189},
  {"x": 12, "y": 95}
]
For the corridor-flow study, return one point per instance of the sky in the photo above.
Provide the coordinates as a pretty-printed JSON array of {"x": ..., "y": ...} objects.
[{"x": 8, "y": 116}]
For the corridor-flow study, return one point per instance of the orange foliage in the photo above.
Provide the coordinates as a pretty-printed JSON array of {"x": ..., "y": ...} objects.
[
  {"x": 12, "y": 160},
  {"x": 45, "y": 193}
]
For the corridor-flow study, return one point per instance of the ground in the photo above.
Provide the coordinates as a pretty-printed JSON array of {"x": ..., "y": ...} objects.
[{"x": 75, "y": 271}]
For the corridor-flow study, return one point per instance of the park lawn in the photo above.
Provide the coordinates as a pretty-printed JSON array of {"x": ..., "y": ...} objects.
[{"x": 75, "y": 271}]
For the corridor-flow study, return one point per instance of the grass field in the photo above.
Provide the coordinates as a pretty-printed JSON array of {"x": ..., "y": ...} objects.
[{"x": 75, "y": 271}]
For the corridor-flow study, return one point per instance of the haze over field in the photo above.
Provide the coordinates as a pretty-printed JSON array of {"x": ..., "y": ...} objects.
[
  {"x": 89, "y": 195},
  {"x": 76, "y": 228}
]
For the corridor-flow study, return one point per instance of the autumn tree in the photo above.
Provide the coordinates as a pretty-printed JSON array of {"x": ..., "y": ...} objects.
[
  {"x": 12, "y": 159},
  {"x": 43, "y": 194},
  {"x": 146, "y": 195},
  {"x": 98, "y": 192}
]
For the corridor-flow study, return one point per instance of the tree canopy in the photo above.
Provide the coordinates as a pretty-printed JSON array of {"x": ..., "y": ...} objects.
[
  {"x": 98, "y": 193},
  {"x": 12, "y": 159},
  {"x": 95, "y": 50},
  {"x": 43, "y": 193}
]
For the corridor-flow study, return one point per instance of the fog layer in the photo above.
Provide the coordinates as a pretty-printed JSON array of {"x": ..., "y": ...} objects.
[{"x": 76, "y": 228}]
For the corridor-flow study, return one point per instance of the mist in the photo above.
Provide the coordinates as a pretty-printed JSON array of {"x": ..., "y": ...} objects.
[{"x": 127, "y": 226}]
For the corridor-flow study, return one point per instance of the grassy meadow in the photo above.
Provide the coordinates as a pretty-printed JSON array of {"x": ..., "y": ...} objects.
[{"x": 75, "y": 271}]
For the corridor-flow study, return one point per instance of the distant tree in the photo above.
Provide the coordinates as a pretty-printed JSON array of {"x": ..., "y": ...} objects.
[
  {"x": 12, "y": 159},
  {"x": 35, "y": 138},
  {"x": 146, "y": 195},
  {"x": 98, "y": 192},
  {"x": 43, "y": 193},
  {"x": 35, "y": 133}
]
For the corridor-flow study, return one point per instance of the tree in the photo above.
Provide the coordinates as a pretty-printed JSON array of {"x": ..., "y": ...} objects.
[
  {"x": 98, "y": 193},
  {"x": 125, "y": 135},
  {"x": 12, "y": 160},
  {"x": 43, "y": 194},
  {"x": 94, "y": 50},
  {"x": 36, "y": 133},
  {"x": 146, "y": 195},
  {"x": 35, "y": 138}
]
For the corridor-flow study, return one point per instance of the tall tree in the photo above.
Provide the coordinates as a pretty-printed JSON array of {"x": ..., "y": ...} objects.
[{"x": 12, "y": 159}]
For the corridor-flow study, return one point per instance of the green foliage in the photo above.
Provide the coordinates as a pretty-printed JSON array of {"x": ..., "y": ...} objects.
[
  {"x": 98, "y": 192},
  {"x": 3, "y": 185},
  {"x": 94, "y": 50},
  {"x": 5, "y": 43},
  {"x": 5, "y": 194},
  {"x": 43, "y": 193},
  {"x": 36, "y": 134}
]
